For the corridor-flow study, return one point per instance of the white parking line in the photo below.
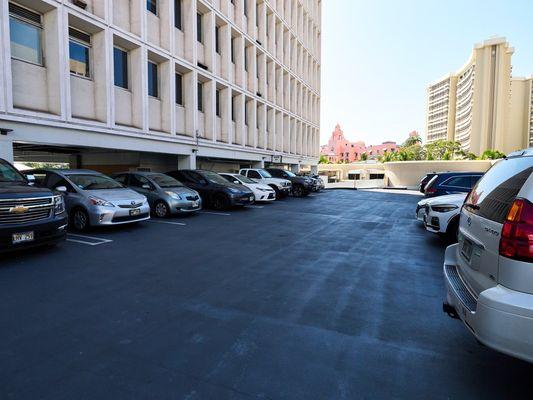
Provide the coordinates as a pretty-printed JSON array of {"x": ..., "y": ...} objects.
[
  {"x": 168, "y": 222},
  {"x": 213, "y": 213},
  {"x": 90, "y": 240}
]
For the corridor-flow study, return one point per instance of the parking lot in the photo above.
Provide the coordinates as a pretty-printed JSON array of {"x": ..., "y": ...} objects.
[{"x": 334, "y": 296}]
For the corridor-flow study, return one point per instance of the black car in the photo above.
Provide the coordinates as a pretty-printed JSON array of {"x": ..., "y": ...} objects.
[
  {"x": 301, "y": 185},
  {"x": 215, "y": 191},
  {"x": 451, "y": 182},
  {"x": 424, "y": 181},
  {"x": 29, "y": 216}
]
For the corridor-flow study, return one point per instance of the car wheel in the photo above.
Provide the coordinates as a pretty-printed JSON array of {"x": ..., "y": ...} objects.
[
  {"x": 298, "y": 191},
  {"x": 161, "y": 209},
  {"x": 220, "y": 202},
  {"x": 452, "y": 232},
  {"x": 80, "y": 219}
]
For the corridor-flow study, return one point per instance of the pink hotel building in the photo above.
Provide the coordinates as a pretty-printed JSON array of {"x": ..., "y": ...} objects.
[{"x": 339, "y": 149}]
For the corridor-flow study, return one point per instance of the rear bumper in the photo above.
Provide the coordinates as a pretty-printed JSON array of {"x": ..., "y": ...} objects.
[
  {"x": 499, "y": 317},
  {"x": 50, "y": 231}
]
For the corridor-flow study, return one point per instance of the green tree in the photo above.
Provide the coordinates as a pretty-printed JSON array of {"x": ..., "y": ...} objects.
[
  {"x": 492, "y": 155},
  {"x": 323, "y": 160},
  {"x": 412, "y": 140},
  {"x": 364, "y": 157}
]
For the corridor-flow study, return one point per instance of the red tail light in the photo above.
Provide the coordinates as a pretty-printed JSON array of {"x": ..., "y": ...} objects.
[
  {"x": 430, "y": 190},
  {"x": 517, "y": 233}
]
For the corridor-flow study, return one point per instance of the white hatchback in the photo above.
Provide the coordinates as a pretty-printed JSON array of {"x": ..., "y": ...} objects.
[
  {"x": 261, "y": 192},
  {"x": 489, "y": 273}
]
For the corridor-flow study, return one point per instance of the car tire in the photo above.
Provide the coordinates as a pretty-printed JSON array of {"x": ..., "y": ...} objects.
[
  {"x": 298, "y": 191},
  {"x": 79, "y": 219},
  {"x": 220, "y": 202},
  {"x": 452, "y": 231},
  {"x": 161, "y": 209}
]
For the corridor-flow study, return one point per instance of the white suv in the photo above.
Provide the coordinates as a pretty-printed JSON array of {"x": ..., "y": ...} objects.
[
  {"x": 489, "y": 273},
  {"x": 441, "y": 214},
  {"x": 282, "y": 187}
]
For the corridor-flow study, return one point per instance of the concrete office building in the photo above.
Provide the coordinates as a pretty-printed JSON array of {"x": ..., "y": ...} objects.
[
  {"x": 160, "y": 84},
  {"x": 521, "y": 119},
  {"x": 473, "y": 105}
]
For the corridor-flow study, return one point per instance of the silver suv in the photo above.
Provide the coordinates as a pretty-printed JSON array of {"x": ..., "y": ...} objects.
[{"x": 489, "y": 272}]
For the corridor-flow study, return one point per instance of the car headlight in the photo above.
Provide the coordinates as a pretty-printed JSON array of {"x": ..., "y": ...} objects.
[
  {"x": 233, "y": 190},
  {"x": 59, "y": 205},
  {"x": 175, "y": 196},
  {"x": 444, "y": 208},
  {"x": 96, "y": 201}
]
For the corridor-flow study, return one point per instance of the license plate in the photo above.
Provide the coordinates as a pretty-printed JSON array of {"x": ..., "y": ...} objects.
[
  {"x": 23, "y": 237},
  {"x": 252, "y": 198},
  {"x": 195, "y": 203},
  {"x": 466, "y": 250},
  {"x": 135, "y": 211}
]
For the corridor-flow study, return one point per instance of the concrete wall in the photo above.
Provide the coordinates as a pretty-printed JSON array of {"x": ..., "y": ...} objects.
[{"x": 404, "y": 174}]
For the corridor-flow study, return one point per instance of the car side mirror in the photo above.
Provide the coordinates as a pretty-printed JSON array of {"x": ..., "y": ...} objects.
[
  {"x": 31, "y": 179},
  {"x": 62, "y": 189},
  {"x": 146, "y": 186}
]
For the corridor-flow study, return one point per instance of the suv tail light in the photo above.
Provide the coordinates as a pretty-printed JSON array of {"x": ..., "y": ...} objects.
[
  {"x": 517, "y": 233},
  {"x": 430, "y": 190}
]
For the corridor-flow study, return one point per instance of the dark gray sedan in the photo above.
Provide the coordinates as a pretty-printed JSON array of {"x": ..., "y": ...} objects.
[{"x": 166, "y": 195}]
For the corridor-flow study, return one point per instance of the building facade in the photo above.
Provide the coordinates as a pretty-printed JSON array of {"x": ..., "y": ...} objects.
[
  {"x": 341, "y": 150},
  {"x": 473, "y": 105},
  {"x": 158, "y": 84}
]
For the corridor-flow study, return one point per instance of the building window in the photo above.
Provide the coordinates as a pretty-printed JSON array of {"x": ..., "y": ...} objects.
[
  {"x": 25, "y": 32},
  {"x": 233, "y": 50},
  {"x": 245, "y": 8},
  {"x": 233, "y": 109},
  {"x": 245, "y": 114},
  {"x": 200, "y": 89},
  {"x": 179, "y": 89},
  {"x": 246, "y": 60},
  {"x": 199, "y": 33},
  {"x": 217, "y": 102},
  {"x": 120, "y": 61},
  {"x": 152, "y": 80},
  {"x": 151, "y": 5},
  {"x": 217, "y": 39},
  {"x": 79, "y": 52},
  {"x": 177, "y": 14}
]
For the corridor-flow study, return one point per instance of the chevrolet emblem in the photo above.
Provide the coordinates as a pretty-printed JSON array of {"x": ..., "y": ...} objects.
[{"x": 18, "y": 210}]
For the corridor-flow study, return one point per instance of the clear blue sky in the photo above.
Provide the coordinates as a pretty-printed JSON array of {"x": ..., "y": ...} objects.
[{"x": 379, "y": 55}]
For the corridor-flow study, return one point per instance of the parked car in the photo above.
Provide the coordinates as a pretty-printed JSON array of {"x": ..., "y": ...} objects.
[
  {"x": 215, "y": 191},
  {"x": 451, "y": 182},
  {"x": 318, "y": 183},
  {"x": 29, "y": 216},
  {"x": 261, "y": 192},
  {"x": 441, "y": 214},
  {"x": 282, "y": 187},
  {"x": 489, "y": 272},
  {"x": 166, "y": 195},
  {"x": 301, "y": 186},
  {"x": 92, "y": 198},
  {"x": 424, "y": 181}
]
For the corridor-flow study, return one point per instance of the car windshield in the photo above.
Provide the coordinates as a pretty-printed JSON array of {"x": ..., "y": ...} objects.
[
  {"x": 264, "y": 174},
  {"x": 244, "y": 179},
  {"x": 165, "y": 181},
  {"x": 213, "y": 177},
  {"x": 94, "y": 182},
  {"x": 291, "y": 174},
  {"x": 10, "y": 174}
]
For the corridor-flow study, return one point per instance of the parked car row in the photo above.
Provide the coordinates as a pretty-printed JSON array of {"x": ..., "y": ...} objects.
[
  {"x": 488, "y": 273},
  {"x": 36, "y": 207}
]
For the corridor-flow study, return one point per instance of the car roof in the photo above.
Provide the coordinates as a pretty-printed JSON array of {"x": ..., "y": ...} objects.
[
  {"x": 65, "y": 171},
  {"x": 460, "y": 173},
  {"x": 521, "y": 153}
]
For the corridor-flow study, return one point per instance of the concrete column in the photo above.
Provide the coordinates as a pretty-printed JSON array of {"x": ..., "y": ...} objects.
[
  {"x": 240, "y": 75},
  {"x": 187, "y": 161},
  {"x": 54, "y": 37},
  {"x": 139, "y": 87},
  {"x": 189, "y": 28},
  {"x": 209, "y": 103},
  {"x": 166, "y": 23},
  {"x": 6, "y": 148},
  {"x": 225, "y": 114},
  {"x": 189, "y": 92},
  {"x": 167, "y": 95},
  {"x": 258, "y": 164},
  {"x": 208, "y": 20},
  {"x": 239, "y": 104},
  {"x": 225, "y": 51}
]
